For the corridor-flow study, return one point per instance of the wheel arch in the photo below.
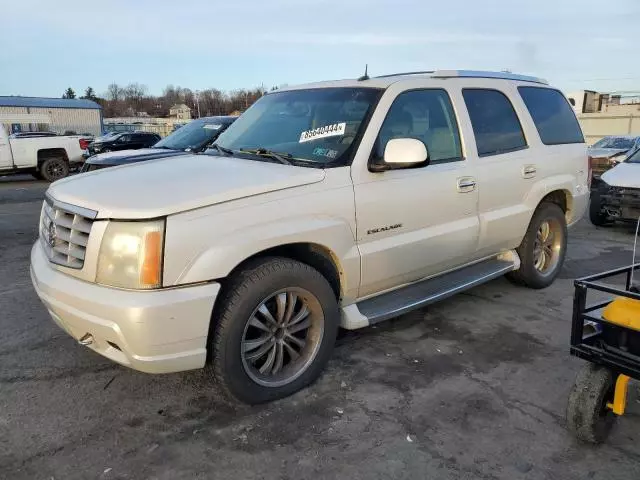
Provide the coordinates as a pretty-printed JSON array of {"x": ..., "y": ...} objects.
[
  {"x": 315, "y": 255},
  {"x": 562, "y": 198},
  {"x": 45, "y": 153}
]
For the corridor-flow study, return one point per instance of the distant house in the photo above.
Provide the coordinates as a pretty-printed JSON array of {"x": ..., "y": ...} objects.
[{"x": 180, "y": 112}]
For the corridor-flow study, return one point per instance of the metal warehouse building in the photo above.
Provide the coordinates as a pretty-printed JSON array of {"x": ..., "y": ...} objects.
[{"x": 59, "y": 115}]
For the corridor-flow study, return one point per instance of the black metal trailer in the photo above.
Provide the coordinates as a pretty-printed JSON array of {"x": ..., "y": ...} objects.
[{"x": 599, "y": 394}]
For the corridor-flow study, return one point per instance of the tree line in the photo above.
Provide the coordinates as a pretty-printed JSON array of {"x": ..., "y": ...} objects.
[{"x": 134, "y": 100}]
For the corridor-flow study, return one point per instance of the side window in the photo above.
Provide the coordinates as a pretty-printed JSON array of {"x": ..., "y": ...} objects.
[
  {"x": 552, "y": 115},
  {"x": 124, "y": 138},
  {"x": 426, "y": 115},
  {"x": 494, "y": 121}
]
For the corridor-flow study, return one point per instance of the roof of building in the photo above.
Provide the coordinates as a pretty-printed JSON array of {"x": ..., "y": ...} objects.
[
  {"x": 180, "y": 106},
  {"x": 42, "y": 102}
]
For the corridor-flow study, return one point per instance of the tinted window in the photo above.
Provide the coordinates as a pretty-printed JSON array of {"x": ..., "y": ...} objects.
[
  {"x": 494, "y": 121},
  {"x": 426, "y": 115},
  {"x": 552, "y": 115}
]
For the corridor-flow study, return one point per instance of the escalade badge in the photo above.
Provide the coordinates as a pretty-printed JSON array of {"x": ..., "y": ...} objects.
[{"x": 384, "y": 229}]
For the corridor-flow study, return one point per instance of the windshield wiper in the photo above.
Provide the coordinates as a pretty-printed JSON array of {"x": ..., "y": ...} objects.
[
  {"x": 221, "y": 149},
  {"x": 165, "y": 148},
  {"x": 263, "y": 152}
]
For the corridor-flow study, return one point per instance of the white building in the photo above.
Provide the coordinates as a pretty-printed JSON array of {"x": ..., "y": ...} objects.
[{"x": 64, "y": 115}]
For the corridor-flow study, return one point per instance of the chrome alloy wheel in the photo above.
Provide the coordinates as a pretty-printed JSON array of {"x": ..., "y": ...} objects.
[
  {"x": 547, "y": 246},
  {"x": 282, "y": 337}
]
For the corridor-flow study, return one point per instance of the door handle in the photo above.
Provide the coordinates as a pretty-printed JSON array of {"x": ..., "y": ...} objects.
[
  {"x": 528, "y": 171},
  {"x": 466, "y": 184}
]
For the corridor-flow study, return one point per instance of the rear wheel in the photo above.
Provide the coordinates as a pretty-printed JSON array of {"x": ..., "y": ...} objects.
[
  {"x": 275, "y": 330},
  {"x": 543, "y": 248},
  {"x": 588, "y": 417},
  {"x": 54, "y": 168}
]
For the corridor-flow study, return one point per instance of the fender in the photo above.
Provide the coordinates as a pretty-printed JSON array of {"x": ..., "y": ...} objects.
[{"x": 226, "y": 239}]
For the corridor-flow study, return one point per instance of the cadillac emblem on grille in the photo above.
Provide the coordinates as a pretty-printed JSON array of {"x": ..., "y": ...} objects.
[{"x": 51, "y": 235}]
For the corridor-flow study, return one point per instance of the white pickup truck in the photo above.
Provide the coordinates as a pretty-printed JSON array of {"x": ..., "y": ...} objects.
[{"x": 48, "y": 158}]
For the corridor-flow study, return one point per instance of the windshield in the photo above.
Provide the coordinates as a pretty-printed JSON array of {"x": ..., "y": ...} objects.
[
  {"x": 634, "y": 157},
  {"x": 193, "y": 135},
  {"x": 318, "y": 125},
  {"x": 108, "y": 137},
  {"x": 614, "y": 142}
]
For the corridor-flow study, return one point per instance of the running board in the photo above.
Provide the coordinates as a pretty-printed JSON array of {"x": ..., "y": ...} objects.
[{"x": 425, "y": 292}]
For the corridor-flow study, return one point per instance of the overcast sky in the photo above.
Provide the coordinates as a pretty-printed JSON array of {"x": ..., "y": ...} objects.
[{"x": 48, "y": 45}]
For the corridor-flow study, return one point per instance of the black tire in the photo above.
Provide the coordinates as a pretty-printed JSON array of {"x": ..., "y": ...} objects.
[
  {"x": 597, "y": 217},
  {"x": 54, "y": 168},
  {"x": 588, "y": 417},
  {"x": 241, "y": 296},
  {"x": 528, "y": 275}
]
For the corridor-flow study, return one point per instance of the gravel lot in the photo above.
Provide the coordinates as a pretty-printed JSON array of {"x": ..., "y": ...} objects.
[{"x": 474, "y": 387}]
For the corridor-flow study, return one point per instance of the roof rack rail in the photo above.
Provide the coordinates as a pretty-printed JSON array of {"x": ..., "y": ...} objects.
[
  {"x": 404, "y": 73},
  {"x": 486, "y": 74}
]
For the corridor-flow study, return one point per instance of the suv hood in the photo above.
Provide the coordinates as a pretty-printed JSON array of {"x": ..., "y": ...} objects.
[
  {"x": 131, "y": 156},
  {"x": 623, "y": 175},
  {"x": 605, "y": 152},
  {"x": 177, "y": 184}
]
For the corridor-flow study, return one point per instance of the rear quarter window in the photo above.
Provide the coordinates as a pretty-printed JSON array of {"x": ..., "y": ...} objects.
[{"x": 552, "y": 115}]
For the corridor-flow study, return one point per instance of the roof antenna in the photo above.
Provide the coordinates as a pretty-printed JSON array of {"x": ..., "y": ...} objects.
[{"x": 365, "y": 76}]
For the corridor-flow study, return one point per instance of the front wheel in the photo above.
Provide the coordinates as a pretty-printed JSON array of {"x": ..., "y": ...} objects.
[
  {"x": 543, "y": 248},
  {"x": 588, "y": 416},
  {"x": 274, "y": 331},
  {"x": 597, "y": 217}
]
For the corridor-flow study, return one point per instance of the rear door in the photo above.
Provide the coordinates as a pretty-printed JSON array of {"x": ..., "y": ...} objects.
[{"x": 506, "y": 166}]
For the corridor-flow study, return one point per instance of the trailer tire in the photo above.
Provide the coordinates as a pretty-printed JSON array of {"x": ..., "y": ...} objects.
[{"x": 588, "y": 417}]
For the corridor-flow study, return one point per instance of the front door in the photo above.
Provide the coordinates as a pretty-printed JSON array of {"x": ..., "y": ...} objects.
[{"x": 416, "y": 222}]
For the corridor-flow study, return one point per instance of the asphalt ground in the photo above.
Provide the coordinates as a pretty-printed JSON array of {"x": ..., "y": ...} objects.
[{"x": 474, "y": 387}]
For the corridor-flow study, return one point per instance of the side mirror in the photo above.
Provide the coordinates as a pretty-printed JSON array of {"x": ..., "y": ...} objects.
[{"x": 402, "y": 153}]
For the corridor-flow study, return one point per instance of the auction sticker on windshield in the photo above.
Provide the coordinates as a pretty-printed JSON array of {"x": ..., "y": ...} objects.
[
  {"x": 212, "y": 126},
  {"x": 335, "y": 130}
]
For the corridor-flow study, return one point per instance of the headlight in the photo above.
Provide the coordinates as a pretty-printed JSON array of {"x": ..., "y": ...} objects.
[{"x": 131, "y": 255}]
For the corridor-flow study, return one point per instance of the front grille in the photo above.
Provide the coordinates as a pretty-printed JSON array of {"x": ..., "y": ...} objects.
[{"x": 64, "y": 232}]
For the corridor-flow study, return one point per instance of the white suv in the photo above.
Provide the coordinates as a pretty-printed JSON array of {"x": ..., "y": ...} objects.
[{"x": 343, "y": 203}]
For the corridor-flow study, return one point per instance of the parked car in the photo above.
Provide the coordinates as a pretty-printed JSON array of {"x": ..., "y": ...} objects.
[
  {"x": 342, "y": 203},
  {"x": 615, "y": 196},
  {"x": 194, "y": 137},
  {"x": 611, "y": 150},
  {"x": 123, "y": 141},
  {"x": 45, "y": 157}
]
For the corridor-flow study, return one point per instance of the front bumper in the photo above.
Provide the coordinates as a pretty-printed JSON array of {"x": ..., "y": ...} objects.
[
  {"x": 156, "y": 331},
  {"x": 619, "y": 203}
]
